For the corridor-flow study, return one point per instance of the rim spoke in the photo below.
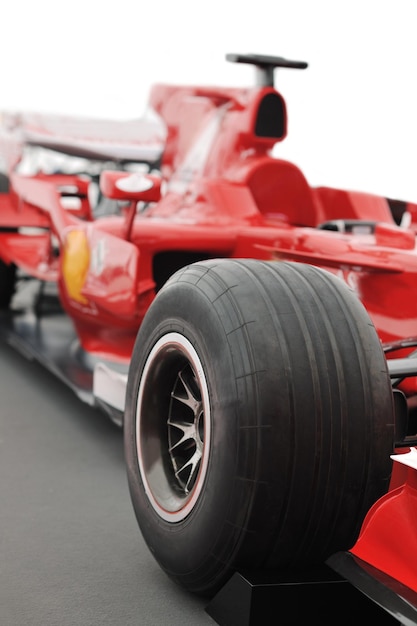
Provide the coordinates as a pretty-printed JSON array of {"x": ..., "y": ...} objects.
[
  {"x": 193, "y": 464},
  {"x": 189, "y": 398},
  {"x": 188, "y": 433}
]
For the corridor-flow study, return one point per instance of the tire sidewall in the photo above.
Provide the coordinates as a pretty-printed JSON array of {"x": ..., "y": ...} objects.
[{"x": 202, "y": 532}]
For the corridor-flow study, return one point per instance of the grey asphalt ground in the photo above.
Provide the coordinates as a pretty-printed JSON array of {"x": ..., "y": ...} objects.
[{"x": 71, "y": 553}]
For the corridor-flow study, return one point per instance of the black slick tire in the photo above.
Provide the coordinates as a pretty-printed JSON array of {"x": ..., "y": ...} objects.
[{"x": 259, "y": 420}]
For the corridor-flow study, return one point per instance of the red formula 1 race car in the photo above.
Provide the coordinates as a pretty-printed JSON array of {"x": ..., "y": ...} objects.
[{"x": 253, "y": 335}]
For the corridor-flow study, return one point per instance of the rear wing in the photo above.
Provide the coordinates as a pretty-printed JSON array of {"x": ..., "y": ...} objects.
[{"x": 140, "y": 140}]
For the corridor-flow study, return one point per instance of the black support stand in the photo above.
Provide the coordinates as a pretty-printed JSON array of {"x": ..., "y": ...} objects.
[{"x": 318, "y": 597}]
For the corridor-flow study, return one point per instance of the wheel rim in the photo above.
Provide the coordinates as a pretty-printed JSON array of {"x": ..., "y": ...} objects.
[{"x": 173, "y": 427}]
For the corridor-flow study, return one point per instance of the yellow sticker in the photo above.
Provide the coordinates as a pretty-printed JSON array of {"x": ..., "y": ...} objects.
[{"x": 75, "y": 263}]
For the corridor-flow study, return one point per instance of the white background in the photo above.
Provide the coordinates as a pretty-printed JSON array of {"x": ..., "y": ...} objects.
[{"x": 352, "y": 113}]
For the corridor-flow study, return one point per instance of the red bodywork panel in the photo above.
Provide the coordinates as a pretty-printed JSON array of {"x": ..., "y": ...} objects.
[
  {"x": 388, "y": 540},
  {"x": 219, "y": 192}
]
